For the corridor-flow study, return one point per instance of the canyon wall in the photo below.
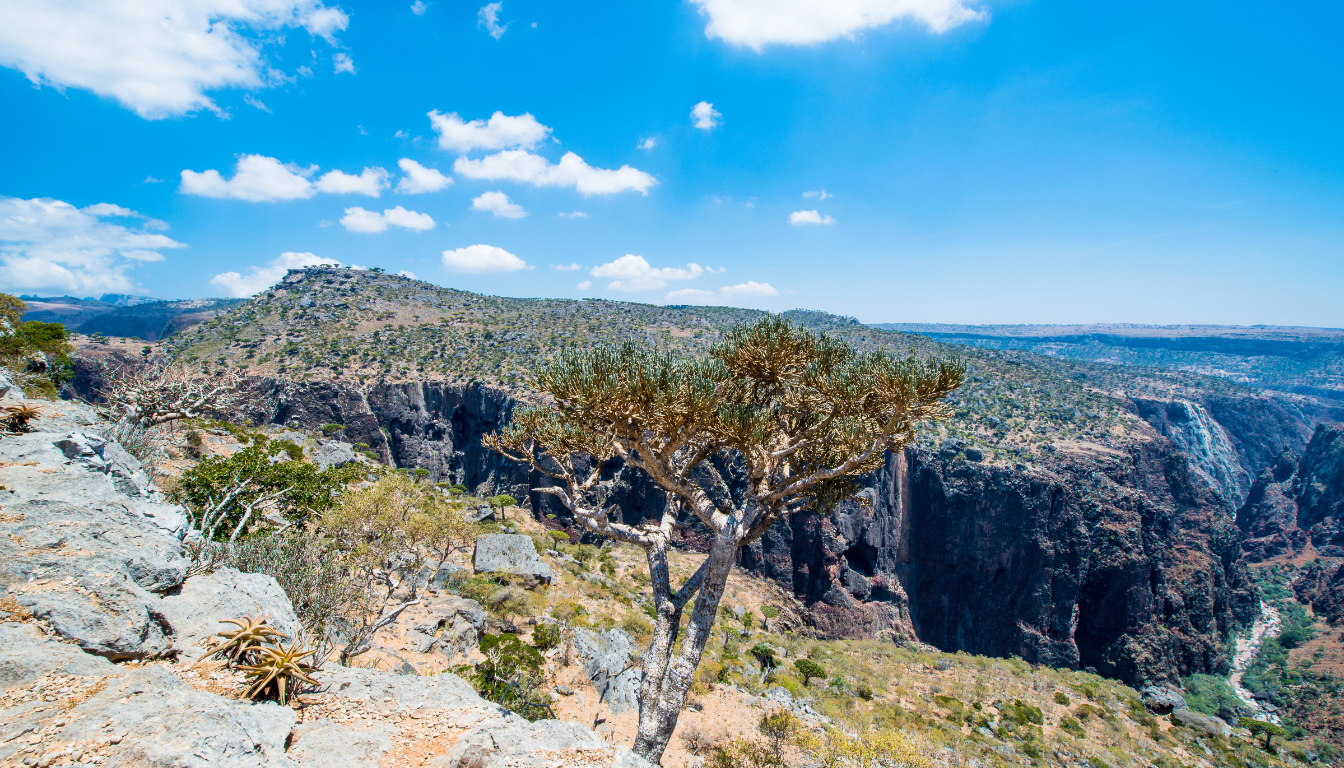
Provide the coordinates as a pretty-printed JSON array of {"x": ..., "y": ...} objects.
[{"x": 1124, "y": 562}]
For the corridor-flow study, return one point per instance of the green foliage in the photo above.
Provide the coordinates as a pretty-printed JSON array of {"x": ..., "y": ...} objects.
[
  {"x": 1022, "y": 713},
  {"x": 546, "y": 636},
  {"x": 808, "y": 669},
  {"x": 47, "y": 341},
  {"x": 769, "y": 611},
  {"x": 1261, "y": 728},
  {"x": 227, "y": 495},
  {"x": 1072, "y": 727},
  {"x": 308, "y": 569},
  {"x": 510, "y": 675},
  {"x": 765, "y": 656},
  {"x": 1061, "y": 698},
  {"x": 1211, "y": 695},
  {"x": 332, "y": 428}
]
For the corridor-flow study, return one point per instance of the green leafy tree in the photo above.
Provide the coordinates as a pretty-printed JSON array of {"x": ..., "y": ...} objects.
[
  {"x": 501, "y": 501},
  {"x": 225, "y": 496},
  {"x": 803, "y": 414},
  {"x": 1261, "y": 728},
  {"x": 765, "y": 657},
  {"x": 808, "y": 669}
]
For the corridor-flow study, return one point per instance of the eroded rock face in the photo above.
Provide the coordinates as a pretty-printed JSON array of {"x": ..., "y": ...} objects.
[
  {"x": 196, "y": 612},
  {"x": 606, "y": 660},
  {"x": 1296, "y": 501},
  {"x": 510, "y": 553}
]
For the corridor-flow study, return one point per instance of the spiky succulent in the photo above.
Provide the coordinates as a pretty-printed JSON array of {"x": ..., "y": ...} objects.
[
  {"x": 280, "y": 668},
  {"x": 244, "y": 642}
]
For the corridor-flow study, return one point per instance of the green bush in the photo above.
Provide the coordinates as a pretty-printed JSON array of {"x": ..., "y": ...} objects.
[
  {"x": 1061, "y": 698},
  {"x": 510, "y": 676},
  {"x": 546, "y": 636},
  {"x": 808, "y": 669},
  {"x": 1072, "y": 727},
  {"x": 1022, "y": 713},
  {"x": 1211, "y": 695}
]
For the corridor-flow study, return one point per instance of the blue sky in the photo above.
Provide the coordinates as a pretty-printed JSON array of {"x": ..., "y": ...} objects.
[{"x": 1004, "y": 162}]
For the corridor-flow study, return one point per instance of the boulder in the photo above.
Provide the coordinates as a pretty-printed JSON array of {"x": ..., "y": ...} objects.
[
  {"x": 327, "y": 744},
  {"x": 607, "y": 662},
  {"x": 1197, "y": 722},
  {"x": 1161, "y": 700},
  {"x": 516, "y": 743},
  {"x": 510, "y": 553},
  {"x": 460, "y": 626},
  {"x": 196, "y": 612},
  {"x": 26, "y": 654},
  {"x": 169, "y": 724},
  {"x": 335, "y": 454}
]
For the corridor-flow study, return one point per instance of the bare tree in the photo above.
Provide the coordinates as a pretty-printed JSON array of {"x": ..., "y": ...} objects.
[
  {"x": 159, "y": 393},
  {"x": 803, "y": 414}
]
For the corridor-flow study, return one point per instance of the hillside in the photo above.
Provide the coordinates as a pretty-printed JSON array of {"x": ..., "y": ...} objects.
[
  {"x": 126, "y": 316},
  {"x": 363, "y": 327}
]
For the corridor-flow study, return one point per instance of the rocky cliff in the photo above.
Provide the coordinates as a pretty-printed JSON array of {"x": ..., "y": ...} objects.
[
  {"x": 1297, "y": 501},
  {"x": 1126, "y": 562}
]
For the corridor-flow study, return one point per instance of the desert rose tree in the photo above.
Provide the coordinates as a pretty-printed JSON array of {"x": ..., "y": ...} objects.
[{"x": 802, "y": 414}]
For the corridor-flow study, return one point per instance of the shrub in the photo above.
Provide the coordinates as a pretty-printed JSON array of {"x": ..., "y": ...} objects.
[
  {"x": 510, "y": 675},
  {"x": 769, "y": 611},
  {"x": 1022, "y": 713},
  {"x": 637, "y": 626},
  {"x": 1072, "y": 727},
  {"x": 1061, "y": 698},
  {"x": 331, "y": 428},
  {"x": 305, "y": 566},
  {"x": 1211, "y": 695},
  {"x": 864, "y": 691},
  {"x": 871, "y": 749},
  {"x": 546, "y": 636}
]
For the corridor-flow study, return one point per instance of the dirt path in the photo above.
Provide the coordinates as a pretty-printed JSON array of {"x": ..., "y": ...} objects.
[{"x": 1267, "y": 625}]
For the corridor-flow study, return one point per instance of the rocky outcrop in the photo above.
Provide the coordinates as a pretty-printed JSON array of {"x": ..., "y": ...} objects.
[
  {"x": 510, "y": 553},
  {"x": 92, "y": 576},
  {"x": 1322, "y": 587},
  {"x": 1298, "y": 501},
  {"x": 607, "y": 661},
  {"x": 1204, "y": 442}
]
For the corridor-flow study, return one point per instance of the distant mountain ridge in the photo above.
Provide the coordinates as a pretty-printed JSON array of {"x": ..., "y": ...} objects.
[
  {"x": 1301, "y": 360},
  {"x": 116, "y": 314}
]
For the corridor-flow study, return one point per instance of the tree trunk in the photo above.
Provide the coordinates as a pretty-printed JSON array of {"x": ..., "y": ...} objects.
[{"x": 666, "y": 680}]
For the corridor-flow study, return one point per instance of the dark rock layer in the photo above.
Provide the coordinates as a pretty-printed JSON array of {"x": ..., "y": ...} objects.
[{"x": 1294, "y": 501}]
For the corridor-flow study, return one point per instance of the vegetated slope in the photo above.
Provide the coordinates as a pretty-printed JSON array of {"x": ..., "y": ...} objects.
[
  {"x": 1074, "y": 514},
  {"x": 1291, "y": 359},
  {"x": 128, "y": 316}
]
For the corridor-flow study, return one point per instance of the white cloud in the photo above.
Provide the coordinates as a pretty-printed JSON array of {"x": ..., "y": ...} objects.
[
  {"x": 799, "y": 218},
  {"x": 567, "y": 267},
  {"x": 264, "y": 179},
  {"x": 488, "y": 17},
  {"x": 357, "y": 219},
  {"x": 573, "y": 215},
  {"x": 585, "y": 285},
  {"x": 706, "y": 116},
  {"x": 647, "y": 144},
  {"x": 50, "y": 245},
  {"x": 342, "y": 62},
  {"x": 419, "y": 7},
  {"x": 156, "y": 57},
  {"x": 499, "y": 132},
  {"x": 820, "y": 194},
  {"x": 256, "y": 178},
  {"x": 633, "y": 273},
  {"x": 499, "y": 204},
  {"x": 371, "y": 182},
  {"x": 261, "y": 278},
  {"x": 751, "y": 288},
  {"x": 479, "y": 259},
  {"x": 419, "y": 179},
  {"x": 151, "y": 180},
  {"x": 250, "y": 100},
  {"x": 571, "y": 171},
  {"x": 408, "y": 273},
  {"x": 756, "y": 23}
]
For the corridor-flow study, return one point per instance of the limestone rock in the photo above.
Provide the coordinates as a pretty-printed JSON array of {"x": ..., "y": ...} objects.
[
  {"x": 510, "y": 553},
  {"x": 606, "y": 658},
  {"x": 335, "y": 454},
  {"x": 1197, "y": 722},
  {"x": 26, "y": 654},
  {"x": 461, "y": 624},
  {"x": 195, "y": 612},
  {"x": 169, "y": 724},
  {"x": 327, "y": 744},
  {"x": 1161, "y": 700}
]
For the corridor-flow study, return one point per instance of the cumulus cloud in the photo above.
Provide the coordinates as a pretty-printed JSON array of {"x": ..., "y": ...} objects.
[
  {"x": 371, "y": 182},
  {"x": 567, "y": 267},
  {"x": 522, "y": 166},
  {"x": 647, "y": 144},
  {"x": 419, "y": 7},
  {"x": 749, "y": 289},
  {"x": 156, "y": 58},
  {"x": 501, "y": 131},
  {"x": 419, "y": 179},
  {"x": 705, "y": 115},
  {"x": 499, "y": 204},
  {"x": 261, "y": 278},
  {"x": 50, "y": 246},
  {"x": 488, "y": 17},
  {"x": 585, "y": 285},
  {"x": 799, "y": 218},
  {"x": 343, "y": 63},
  {"x": 820, "y": 194},
  {"x": 407, "y": 273},
  {"x": 480, "y": 259},
  {"x": 633, "y": 273},
  {"x": 757, "y": 23},
  {"x": 265, "y": 179},
  {"x": 372, "y": 222},
  {"x": 573, "y": 215}
]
